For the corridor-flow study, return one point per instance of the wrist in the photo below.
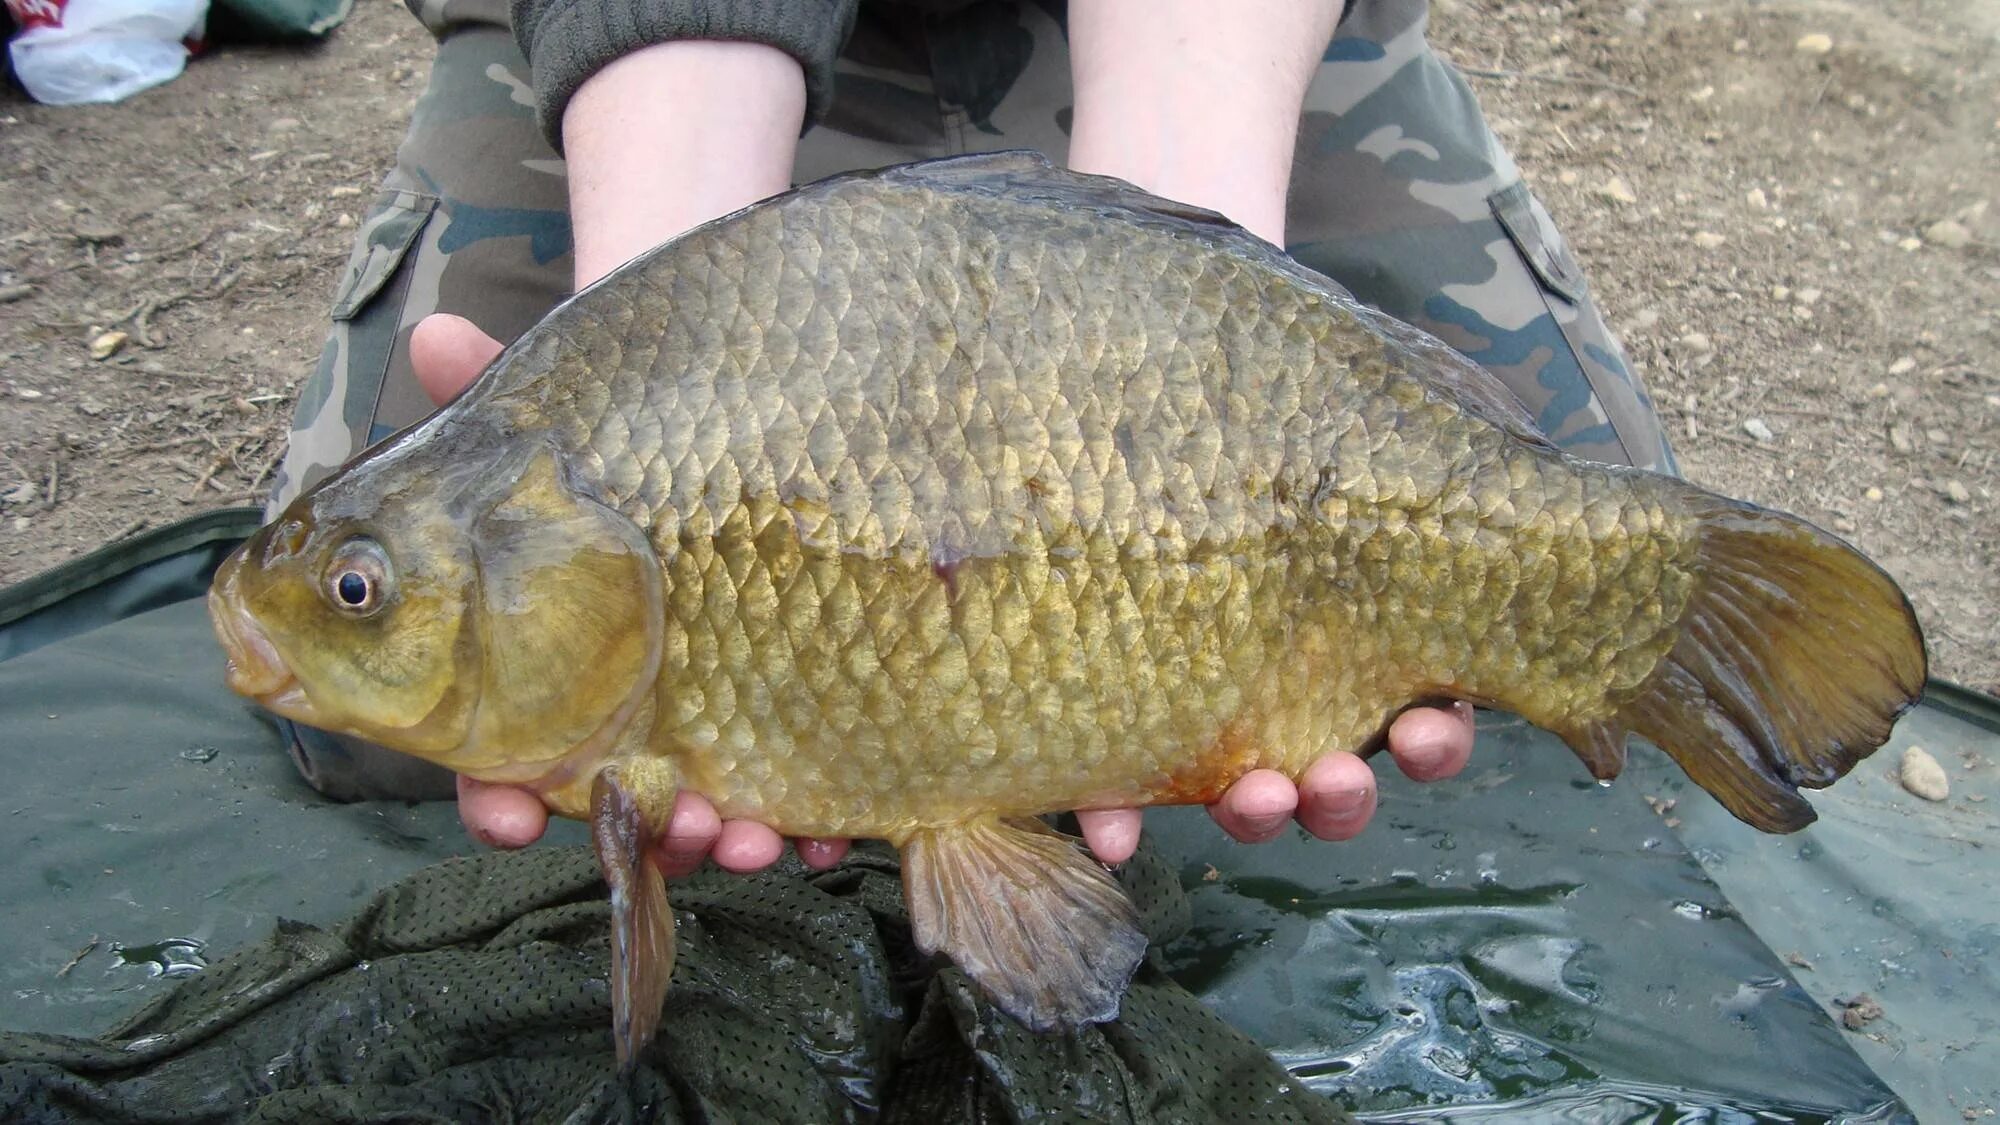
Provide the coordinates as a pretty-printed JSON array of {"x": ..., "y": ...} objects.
[
  {"x": 1195, "y": 107},
  {"x": 673, "y": 135}
]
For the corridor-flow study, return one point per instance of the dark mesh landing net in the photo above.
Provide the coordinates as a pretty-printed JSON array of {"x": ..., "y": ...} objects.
[{"x": 475, "y": 991}]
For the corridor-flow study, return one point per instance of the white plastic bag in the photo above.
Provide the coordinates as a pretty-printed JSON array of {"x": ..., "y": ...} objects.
[{"x": 75, "y": 52}]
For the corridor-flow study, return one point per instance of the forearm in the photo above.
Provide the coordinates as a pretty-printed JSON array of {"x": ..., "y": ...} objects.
[
  {"x": 673, "y": 135},
  {"x": 1194, "y": 100}
]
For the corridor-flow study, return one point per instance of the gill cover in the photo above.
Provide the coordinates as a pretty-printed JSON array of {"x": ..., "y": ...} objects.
[{"x": 567, "y": 609}]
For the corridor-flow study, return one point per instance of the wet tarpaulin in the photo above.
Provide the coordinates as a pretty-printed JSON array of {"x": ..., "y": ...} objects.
[{"x": 1517, "y": 942}]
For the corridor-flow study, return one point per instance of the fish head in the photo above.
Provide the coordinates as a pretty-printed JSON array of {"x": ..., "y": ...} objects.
[{"x": 479, "y": 612}]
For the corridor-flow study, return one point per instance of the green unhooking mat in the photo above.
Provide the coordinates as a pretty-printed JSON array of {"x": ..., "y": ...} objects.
[
  {"x": 194, "y": 935},
  {"x": 475, "y": 991}
]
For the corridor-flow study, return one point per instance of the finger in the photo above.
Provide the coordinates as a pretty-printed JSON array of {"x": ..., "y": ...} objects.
[
  {"x": 1256, "y": 808},
  {"x": 447, "y": 352},
  {"x": 1112, "y": 834},
  {"x": 1430, "y": 743},
  {"x": 500, "y": 816},
  {"x": 746, "y": 846},
  {"x": 691, "y": 831},
  {"x": 820, "y": 854},
  {"x": 1337, "y": 797}
]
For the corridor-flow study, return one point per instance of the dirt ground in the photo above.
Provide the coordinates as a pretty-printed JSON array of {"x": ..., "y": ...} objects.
[{"x": 1790, "y": 209}]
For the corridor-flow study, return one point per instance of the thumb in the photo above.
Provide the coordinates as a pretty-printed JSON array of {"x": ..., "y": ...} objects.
[{"x": 447, "y": 352}]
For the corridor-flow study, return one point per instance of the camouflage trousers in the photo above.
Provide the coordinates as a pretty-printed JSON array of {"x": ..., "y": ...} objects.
[{"x": 1400, "y": 192}]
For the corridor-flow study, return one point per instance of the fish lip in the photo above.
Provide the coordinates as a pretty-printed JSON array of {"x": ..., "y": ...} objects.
[{"x": 255, "y": 668}]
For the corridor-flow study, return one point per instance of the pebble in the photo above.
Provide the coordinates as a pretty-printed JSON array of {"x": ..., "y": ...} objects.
[
  {"x": 1568, "y": 177},
  {"x": 1909, "y": 244},
  {"x": 90, "y": 228},
  {"x": 1956, "y": 492},
  {"x": 1781, "y": 292},
  {"x": 1708, "y": 239},
  {"x": 1616, "y": 190},
  {"x": 1921, "y": 775},
  {"x": 11, "y": 293},
  {"x": 1755, "y": 196},
  {"x": 1873, "y": 493},
  {"x": 1948, "y": 233},
  {"x": 1807, "y": 296},
  {"x": 284, "y": 124},
  {"x": 1843, "y": 524},
  {"x": 1757, "y": 428},
  {"x": 107, "y": 344},
  {"x": 345, "y": 191},
  {"x": 1697, "y": 342},
  {"x": 1816, "y": 43},
  {"x": 1879, "y": 390},
  {"x": 343, "y": 221},
  {"x": 22, "y": 523},
  {"x": 1903, "y": 366},
  {"x": 28, "y": 393}
]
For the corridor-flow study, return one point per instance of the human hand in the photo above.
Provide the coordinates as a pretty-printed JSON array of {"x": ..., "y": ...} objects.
[{"x": 1334, "y": 800}]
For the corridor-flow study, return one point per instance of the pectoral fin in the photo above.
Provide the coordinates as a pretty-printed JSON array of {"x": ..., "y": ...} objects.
[
  {"x": 1028, "y": 914},
  {"x": 642, "y": 924}
]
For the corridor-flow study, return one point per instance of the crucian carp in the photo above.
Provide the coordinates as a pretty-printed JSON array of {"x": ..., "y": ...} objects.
[{"x": 918, "y": 503}]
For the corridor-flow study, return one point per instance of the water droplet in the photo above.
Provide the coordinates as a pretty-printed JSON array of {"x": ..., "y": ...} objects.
[{"x": 171, "y": 957}]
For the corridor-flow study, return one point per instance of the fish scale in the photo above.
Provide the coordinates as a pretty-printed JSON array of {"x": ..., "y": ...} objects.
[{"x": 918, "y": 503}]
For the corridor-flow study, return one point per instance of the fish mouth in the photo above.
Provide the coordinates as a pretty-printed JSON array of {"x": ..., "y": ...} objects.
[{"x": 255, "y": 669}]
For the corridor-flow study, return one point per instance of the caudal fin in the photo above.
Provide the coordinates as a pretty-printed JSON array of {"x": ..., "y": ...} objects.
[{"x": 1795, "y": 657}]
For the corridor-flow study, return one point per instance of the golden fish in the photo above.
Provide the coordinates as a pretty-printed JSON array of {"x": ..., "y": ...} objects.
[{"x": 917, "y": 503}]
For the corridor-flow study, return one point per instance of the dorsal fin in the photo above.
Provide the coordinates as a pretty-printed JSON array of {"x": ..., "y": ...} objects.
[
  {"x": 1456, "y": 376},
  {"x": 1028, "y": 172}
]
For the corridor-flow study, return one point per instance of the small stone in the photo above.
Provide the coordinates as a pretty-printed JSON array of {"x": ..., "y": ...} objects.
[
  {"x": 1616, "y": 190},
  {"x": 1645, "y": 318},
  {"x": 1874, "y": 495},
  {"x": 23, "y": 493},
  {"x": 22, "y": 523},
  {"x": 1807, "y": 296},
  {"x": 1843, "y": 525},
  {"x": 1816, "y": 43},
  {"x": 284, "y": 125},
  {"x": 1937, "y": 437},
  {"x": 107, "y": 344},
  {"x": 1921, "y": 775},
  {"x": 1781, "y": 292},
  {"x": 1702, "y": 95},
  {"x": 18, "y": 292},
  {"x": 29, "y": 393},
  {"x": 1708, "y": 240},
  {"x": 1903, "y": 366},
  {"x": 1697, "y": 342},
  {"x": 1900, "y": 439},
  {"x": 1568, "y": 177},
  {"x": 1948, "y": 233},
  {"x": 1956, "y": 492},
  {"x": 345, "y": 191},
  {"x": 90, "y": 228},
  {"x": 343, "y": 221},
  {"x": 1909, "y": 244},
  {"x": 1756, "y": 199},
  {"x": 1757, "y": 428}
]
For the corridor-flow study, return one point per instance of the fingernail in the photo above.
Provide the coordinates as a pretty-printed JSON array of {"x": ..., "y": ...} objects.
[{"x": 1266, "y": 824}]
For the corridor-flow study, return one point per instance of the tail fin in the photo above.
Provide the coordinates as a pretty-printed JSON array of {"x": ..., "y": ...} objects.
[{"x": 1795, "y": 657}]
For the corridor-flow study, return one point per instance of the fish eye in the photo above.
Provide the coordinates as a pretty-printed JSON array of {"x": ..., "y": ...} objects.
[{"x": 357, "y": 578}]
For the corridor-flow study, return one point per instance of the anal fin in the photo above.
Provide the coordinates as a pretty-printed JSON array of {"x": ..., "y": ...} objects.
[
  {"x": 642, "y": 923},
  {"x": 1027, "y": 913}
]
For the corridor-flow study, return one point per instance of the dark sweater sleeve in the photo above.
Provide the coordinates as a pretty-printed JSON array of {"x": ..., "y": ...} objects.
[{"x": 567, "y": 41}]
